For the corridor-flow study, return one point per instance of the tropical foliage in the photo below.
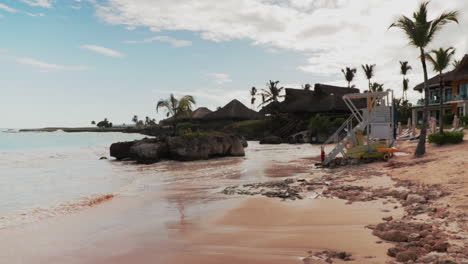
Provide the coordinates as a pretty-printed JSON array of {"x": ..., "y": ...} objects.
[
  {"x": 420, "y": 32},
  {"x": 404, "y": 69},
  {"x": 176, "y": 107},
  {"x": 349, "y": 74},
  {"x": 369, "y": 72},
  {"x": 272, "y": 93},
  {"x": 440, "y": 60},
  {"x": 376, "y": 87},
  {"x": 446, "y": 138}
]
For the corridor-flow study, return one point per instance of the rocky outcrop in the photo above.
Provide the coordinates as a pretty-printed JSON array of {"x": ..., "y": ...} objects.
[
  {"x": 178, "y": 148},
  {"x": 121, "y": 150},
  {"x": 274, "y": 140},
  {"x": 149, "y": 152}
]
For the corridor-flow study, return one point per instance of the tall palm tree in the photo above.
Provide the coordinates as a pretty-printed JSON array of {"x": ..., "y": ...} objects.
[
  {"x": 349, "y": 74},
  {"x": 376, "y": 87},
  {"x": 135, "y": 119},
  {"x": 404, "y": 69},
  {"x": 369, "y": 71},
  {"x": 176, "y": 107},
  {"x": 420, "y": 33},
  {"x": 253, "y": 93},
  {"x": 272, "y": 93},
  {"x": 440, "y": 60}
]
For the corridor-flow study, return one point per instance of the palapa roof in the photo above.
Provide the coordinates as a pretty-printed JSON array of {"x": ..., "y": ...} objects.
[
  {"x": 200, "y": 113},
  {"x": 459, "y": 73},
  {"x": 233, "y": 110},
  {"x": 324, "y": 98}
]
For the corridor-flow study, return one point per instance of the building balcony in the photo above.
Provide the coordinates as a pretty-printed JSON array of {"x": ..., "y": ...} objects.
[
  {"x": 458, "y": 98},
  {"x": 448, "y": 100}
]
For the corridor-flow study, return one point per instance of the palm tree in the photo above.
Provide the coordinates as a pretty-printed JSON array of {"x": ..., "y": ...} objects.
[
  {"x": 272, "y": 93},
  {"x": 456, "y": 63},
  {"x": 306, "y": 87},
  {"x": 420, "y": 33},
  {"x": 93, "y": 122},
  {"x": 253, "y": 93},
  {"x": 349, "y": 75},
  {"x": 176, "y": 107},
  {"x": 369, "y": 71},
  {"x": 376, "y": 87},
  {"x": 404, "y": 69},
  {"x": 135, "y": 119},
  {"x": 440, "y": 60}
]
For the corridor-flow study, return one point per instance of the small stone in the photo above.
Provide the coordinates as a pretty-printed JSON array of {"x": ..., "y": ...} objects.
[
  {"x": 102, "y": 158},
  {"x": 406, "y": 256},
  {"x": 388, "y": 219},
  {"x": 415, "y": 198}
]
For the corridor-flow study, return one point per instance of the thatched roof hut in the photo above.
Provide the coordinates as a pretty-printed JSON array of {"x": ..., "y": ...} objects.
[
  {"x": 234, "y": 110},
  {"x": 200, "y": 113},
  {"x": 323, "y": 99},
  {"x": 458, "y": 74}
]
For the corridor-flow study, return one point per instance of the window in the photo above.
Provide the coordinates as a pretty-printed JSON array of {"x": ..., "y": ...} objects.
[
  {"x": 448, "y": 94},
  {"x": 464, "y": 90}
]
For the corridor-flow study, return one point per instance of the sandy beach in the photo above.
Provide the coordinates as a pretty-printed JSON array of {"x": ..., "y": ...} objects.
[{"x": 331, "y": 211}]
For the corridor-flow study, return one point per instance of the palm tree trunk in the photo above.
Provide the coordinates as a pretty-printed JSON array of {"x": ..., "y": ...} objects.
[
  {"x": 441, "y": 119},
  {"x": 421, "y": 148}
]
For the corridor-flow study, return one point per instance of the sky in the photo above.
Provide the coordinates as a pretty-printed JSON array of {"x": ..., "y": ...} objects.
[{"x": 68, "y": 62}]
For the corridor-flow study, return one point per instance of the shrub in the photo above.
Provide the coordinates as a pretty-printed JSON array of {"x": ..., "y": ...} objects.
[
  {"x": 446, "y": 138},
  {"x": 338, "y": 122},
  {"x": 448, "y": 119},
  {"x": 320, "y": 123},
  {"x": 187, "y": 127},
  {"x": 464, "y": 120},
  {"x": 251, "y": 129}
]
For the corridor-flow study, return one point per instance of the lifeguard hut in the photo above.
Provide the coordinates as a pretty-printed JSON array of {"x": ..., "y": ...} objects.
[{"x": 368, "y": 132}]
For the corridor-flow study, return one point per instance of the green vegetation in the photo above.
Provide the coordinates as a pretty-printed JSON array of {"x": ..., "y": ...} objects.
[
  {"x": 323, "y": 124},
  {"x": 448, "y": 119},
  {"x": 404, "y": 69},
  {"x": 446, "y": 138},
  {"x": 199, "y": 134},
  {"x": 251, "y": 129},
  {"x": 420, "y": 33},
  {"x": 176, "y": 107},
  {"x": 349, "y": 74},
  {"x": 369, "y": 71},
  {"x": 464, "y": 120},
  {"x": 272, "y": 93},
  {"x": 104, "y": 124}
]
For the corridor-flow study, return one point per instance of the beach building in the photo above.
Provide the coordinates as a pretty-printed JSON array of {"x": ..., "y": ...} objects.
[
  {"x": 323, "y": 99},
  {"x": 454, "y": 93},
  {"x": 233, "y": 111}
]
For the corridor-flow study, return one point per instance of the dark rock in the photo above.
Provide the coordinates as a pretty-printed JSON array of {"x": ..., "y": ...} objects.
[
  {"x": 392, "y": 252},
  {"x": 271, "y": 140},
  {"x": 199, "y": 148},
  {"x": 389, "y": 218},
  {"x": 148, "y": 153},
  {"x": 415, "y": 198},
  {"x": 102, "y": 158},
  {"x": 121, "y": 150},
  {"x": 406, "y": 256},
  {"x": 244, "y": 142},
  {"x": 393, "y": 235}
]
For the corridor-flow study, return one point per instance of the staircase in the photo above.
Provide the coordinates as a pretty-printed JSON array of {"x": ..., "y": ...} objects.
[
  {"x": 350, "y": 136},
  {"x": 288, "y": 129}
]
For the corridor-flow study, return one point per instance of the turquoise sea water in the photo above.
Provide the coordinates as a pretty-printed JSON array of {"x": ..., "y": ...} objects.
[
  {"x": 40, "y": 170},
  {"x": 58, "y": 140}
]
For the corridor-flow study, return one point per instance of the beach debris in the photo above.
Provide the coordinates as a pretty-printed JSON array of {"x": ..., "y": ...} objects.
[{"x": 326, "y": 256}]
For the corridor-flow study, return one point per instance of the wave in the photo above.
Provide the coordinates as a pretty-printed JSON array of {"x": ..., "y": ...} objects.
[{"x": 38, "y": 214}]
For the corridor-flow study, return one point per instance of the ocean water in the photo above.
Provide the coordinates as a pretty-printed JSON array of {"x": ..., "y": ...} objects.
[
  {"x": 44, "y": 175},
  {"x": 43, "y": 170}
]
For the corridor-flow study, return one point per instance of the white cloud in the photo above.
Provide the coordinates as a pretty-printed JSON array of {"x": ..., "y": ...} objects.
[
  {"x": 41, "y": 3},
  {"x": 332, "y": 34},
  {"x": 7, "y": 8},
  {"x": 103, "y": 51},
  {"x": 174, "y": 42},
  {"x": 45, "y": 66},
  {"x": 220, "y": 78}
]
